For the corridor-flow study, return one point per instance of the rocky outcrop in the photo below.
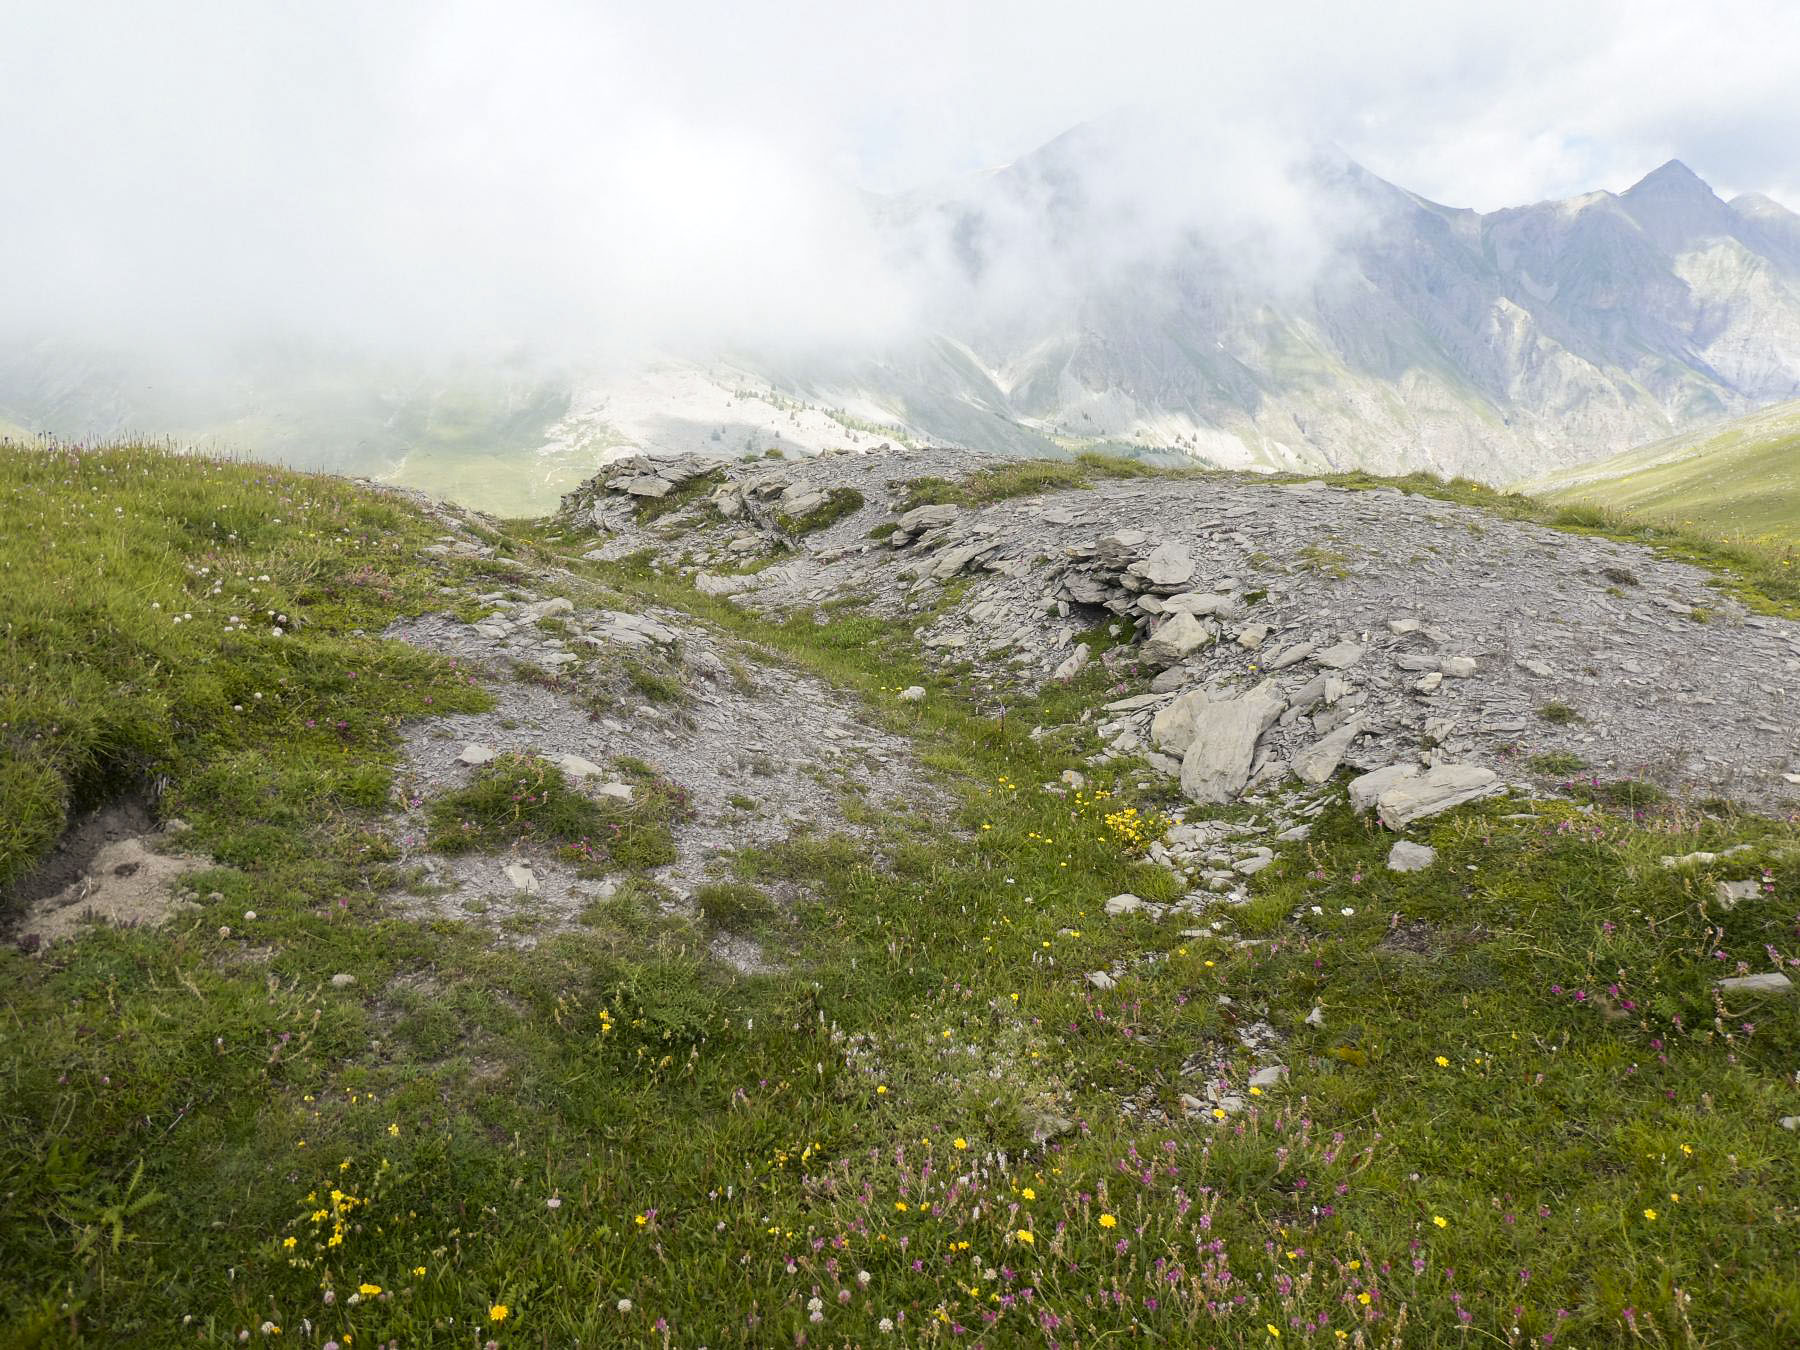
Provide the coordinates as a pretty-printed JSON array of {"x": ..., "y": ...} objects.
[{"x": 1393, "y": 631}]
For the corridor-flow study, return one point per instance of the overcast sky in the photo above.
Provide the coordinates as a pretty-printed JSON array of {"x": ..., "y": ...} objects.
[{"x": 526, "y": 165}]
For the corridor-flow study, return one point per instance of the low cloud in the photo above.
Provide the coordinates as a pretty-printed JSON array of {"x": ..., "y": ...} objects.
[{"x": 435, "y": 182}]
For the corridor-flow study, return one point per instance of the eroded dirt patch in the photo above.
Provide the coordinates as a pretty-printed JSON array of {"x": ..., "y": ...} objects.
[{"x": 107, "y": 869}]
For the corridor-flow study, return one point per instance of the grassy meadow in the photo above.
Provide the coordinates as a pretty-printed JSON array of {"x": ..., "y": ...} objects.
[{"x": 1518, "y": 1111}]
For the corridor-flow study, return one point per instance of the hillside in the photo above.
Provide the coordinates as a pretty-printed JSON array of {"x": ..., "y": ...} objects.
[
  {"x": 1741, "y": 479},
  {"x": 910, "y": 897}
]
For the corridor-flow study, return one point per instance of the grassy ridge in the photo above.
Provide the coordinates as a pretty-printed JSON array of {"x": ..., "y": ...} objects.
[
  {"x": 178, "y": 618},
  {"x": 1524, "y": 1108}
]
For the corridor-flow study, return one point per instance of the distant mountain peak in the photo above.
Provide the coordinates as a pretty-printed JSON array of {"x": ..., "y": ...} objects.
[
  {"x": 1757, "y": 204},
  {"x": 1671, "y": 179}
]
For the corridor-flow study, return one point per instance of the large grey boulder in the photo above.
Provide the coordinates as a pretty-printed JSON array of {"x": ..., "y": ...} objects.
[
  {"x": 1765, "y": 982},
  {"x": 1406, "y": 856},
  {"x": 929, "y": 517},
  {"x": 1319, "y": 761},
  {"x": 1167, "y": 565},
  {"x": 1216, "y": 765},
  {"x": 1178, "y": 637},
  {"x": 1403, "y": 793},
  {"x": 1366, "y": 789},
  {"x": 1173, "y": 728}
]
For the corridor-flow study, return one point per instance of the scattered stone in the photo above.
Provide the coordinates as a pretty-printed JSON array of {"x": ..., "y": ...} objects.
[
  {"x": 1703, "y": 858},
  {"x": 931, "y": 517},
  {"x": 708, "y": 583},
  {"x": 1340, "y": 656},
  {"x": 1319, "y": 761},
  {"x": 1437, "y": 789},
  {"x": 475, "y": 755},
  {"x": 1273, "y": 1076},
  {"x": 1101, "y": 980},
  {"x": 1733, "y": 893},
  {"x": 1252, "y": 636},
  {"x": 914, "y": 693},
  {"x": 543, "y": 609},
  {"x": 522, "y": 878},
  {"x": 1217, "y": 762},
  {"x": 1198, "y": 603},
  {"x": 1291, "y": 656},
  {"x": 1316, "y": 1018},
  {"x": 578, "y": 768},
  {"x": 622, "y": 792},
  {"x": 1126, "y": 903},
  {"x": 1457, "y": 667},
  {"x": 342, "y": 980},
  {"x": 1177, "y": 637},
  {"x": 1075, "y": 663},
  {"x": 1406, "y": 856},
  {"x": 1764, "y": 982}
]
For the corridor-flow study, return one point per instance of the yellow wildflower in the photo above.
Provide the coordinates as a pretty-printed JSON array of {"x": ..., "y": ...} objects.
[
  {"x": 1108, "y": 1221},
  {"x": 499, "y": 1312}
]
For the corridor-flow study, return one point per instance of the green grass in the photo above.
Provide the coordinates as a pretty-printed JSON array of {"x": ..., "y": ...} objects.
[
  {"x": 1739, "y": 481},
  {"x": 734, "y": 906},
  {"x": 1024, "y": 478},
  {"x": 513, "y": 799},
  {"x": 659, "y": 686},
  {"x": 648, "y": 509},
  {"x": 606, "y": 1131},
  {"x": 107, "y": 685},
  {"x": 839, "y": 502}
]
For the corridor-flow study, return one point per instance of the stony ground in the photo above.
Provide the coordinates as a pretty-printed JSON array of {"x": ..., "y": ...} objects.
[
  {"x": 1440, "y": 632},
  {"x": 759, "y": 752}
]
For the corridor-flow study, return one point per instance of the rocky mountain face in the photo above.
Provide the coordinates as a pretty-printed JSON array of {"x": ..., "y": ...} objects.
[
  {"x": 1089, "y": 296},
  {"x": 1421, "y": 337}
]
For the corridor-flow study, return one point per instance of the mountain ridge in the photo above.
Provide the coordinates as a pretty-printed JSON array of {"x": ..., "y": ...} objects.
[{"x": 1092, "y": 295}]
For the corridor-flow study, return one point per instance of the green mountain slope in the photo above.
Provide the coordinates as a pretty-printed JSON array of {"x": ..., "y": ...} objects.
[{"x": 1739, "y": 479}]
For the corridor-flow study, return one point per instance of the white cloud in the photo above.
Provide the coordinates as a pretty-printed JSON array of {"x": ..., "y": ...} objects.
[{"x": 427, "y": 177}]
